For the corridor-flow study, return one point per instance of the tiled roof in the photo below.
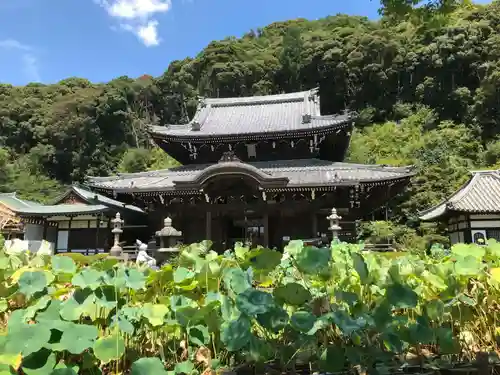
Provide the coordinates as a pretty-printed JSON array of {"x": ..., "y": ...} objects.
[
  {"x": 481, "y": 194},
  {"x": 24, "y": 207},
  {"x": 241, "y": 117},
  {"x": 307, "y": 172},
  {"x": 95, "y": 198}
]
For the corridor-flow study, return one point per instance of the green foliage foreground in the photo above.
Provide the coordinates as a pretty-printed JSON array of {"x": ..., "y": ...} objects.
[{"x": 327, "y": 309}]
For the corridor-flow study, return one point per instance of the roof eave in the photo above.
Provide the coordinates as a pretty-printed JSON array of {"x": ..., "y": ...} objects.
[
  {"x": 164, "y": 136},
  {"x": 344, "y": 183},
  {"x": 61, "y": 213}
]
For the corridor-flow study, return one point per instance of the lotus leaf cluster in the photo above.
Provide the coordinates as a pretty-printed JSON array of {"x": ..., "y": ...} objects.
[{"x": 322, "y": 309}]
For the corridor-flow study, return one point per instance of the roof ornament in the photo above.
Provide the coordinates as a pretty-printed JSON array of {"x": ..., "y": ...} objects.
[
  {"x": 195, "y": 126},
  {"x": 228, "y": 157}
]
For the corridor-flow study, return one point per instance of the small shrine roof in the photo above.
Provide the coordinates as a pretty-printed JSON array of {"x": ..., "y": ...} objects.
[
  {"x": 480, "y": 195},
  {"x": 289, "y": 173},
  {"x": 251, "y": 117}
]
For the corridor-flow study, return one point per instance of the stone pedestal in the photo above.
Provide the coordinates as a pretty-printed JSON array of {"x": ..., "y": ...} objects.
[{"x": 169, "y": 237}]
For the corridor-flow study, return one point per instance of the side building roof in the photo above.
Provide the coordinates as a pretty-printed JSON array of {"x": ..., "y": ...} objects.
[
  {"x": 93, "y": 198},
  {"x": 27, "y": 208},
  {"x": 255, "y": 117},
  {"x": 273, "y": 174},
  {"x": 480, "y": 195},
  {"x": 92, "y": 204}
]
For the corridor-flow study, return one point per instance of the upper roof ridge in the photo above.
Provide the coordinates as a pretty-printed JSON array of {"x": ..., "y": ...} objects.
[{"x": 259, "y": 99}]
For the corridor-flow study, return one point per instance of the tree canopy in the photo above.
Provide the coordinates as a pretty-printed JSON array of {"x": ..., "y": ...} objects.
[{"x": 424, "y": 79}]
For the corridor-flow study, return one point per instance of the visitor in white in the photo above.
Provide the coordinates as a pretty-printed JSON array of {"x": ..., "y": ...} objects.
[{"x": 142, "y": 255}]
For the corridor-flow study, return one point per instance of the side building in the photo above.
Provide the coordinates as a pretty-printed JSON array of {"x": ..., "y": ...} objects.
[
  {"x": 265, "y": 168},
  {"x": 79, "y": 220},
  {"x": 472, "y": 214}
]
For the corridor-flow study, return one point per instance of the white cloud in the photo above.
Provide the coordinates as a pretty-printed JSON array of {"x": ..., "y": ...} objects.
[
  {"x": 28, "y": 56},
  {"x": 138, "y": 17}
]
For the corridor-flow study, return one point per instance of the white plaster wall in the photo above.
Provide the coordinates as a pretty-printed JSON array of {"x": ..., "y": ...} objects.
[{"x": 33, "y": 232}]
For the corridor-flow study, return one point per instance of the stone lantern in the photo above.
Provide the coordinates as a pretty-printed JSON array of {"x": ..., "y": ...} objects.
[
  {"x": 335, "y": 228},
  {"x": 169, "y": 237},
  {"x": 116, "y": 251}
]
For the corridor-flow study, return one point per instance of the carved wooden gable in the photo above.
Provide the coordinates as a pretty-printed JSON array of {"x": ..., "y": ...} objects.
[{"x": 72, "y": 198}]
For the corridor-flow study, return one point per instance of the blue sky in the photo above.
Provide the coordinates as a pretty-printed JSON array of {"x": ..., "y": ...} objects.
[{"x": 49, "y": 40}]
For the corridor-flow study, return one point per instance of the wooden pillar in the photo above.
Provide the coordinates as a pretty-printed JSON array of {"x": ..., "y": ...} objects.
[
  {"x": 57, "y": 237},
  {"x": 69, "y": 233},
  {"x": 98, "y": 222},
  {"x": 314, "y": 224},
  {"x": 208, "y": 225},
  {"x": 266, "y": 229},
  {"x": 45, "y": 225}
]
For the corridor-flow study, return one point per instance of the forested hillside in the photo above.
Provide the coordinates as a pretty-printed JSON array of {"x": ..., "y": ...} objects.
[{"x": 427, "y": 93}]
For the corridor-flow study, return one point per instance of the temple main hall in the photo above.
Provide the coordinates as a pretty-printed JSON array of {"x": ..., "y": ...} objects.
[{"x": 265, "y": 169}]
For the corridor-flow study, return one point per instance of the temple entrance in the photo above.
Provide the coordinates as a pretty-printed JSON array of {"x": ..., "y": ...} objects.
[{"x": 244, "y": 229}]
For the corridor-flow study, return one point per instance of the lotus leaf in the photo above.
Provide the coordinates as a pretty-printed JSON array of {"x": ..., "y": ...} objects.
[
  {"x": 32, "y": 282},
  {"x": 64, "y": 369},
  {"x": 240, "y": 251},
  {"x": 88, "y": 278},
  {"x": 465, "y": 250},
  {"x": 107, "y": 297},
  {"x": 345, "y": 323},
  {"x": 187, "y": 316},
  {"x": 109, "y": 348},
  {"x": 237, "y": 280},
  {"x": 123, "y": 324},
  {"x": 495, "y": 274},
  {"x": 435, "y": 280},
  {"x": 199, "y": 335},
  {"x": 401, "y": 296},
  {"x": 360, "y": 267},
  {"x": 448, "y": 344},
  {"x": 294, "y": 247},
  {"x": 78, "y": 337},
  {"x": 466, "y": 300},
  {"x": 154, "y": 313},
  {"x": 302, "y": 321},
  {"x": 332, "y": 359},
  {"x": 185, "y": 367},
  {"x": 178, "y": 301},
  {"x": 292, "y": 294},
  {"x": 275, "y": 319},
  {"x": 39, "y": 363},
  {"x": 17, "y": 275},
  {"x": 267, "y": 259},
  {"x": 74, "y": 307},
  {"x": 148, "y": 366},
  {"x": 8, "y": 360},
  {"x": 135, "y": 280},
  {"x": 229, "y": 310},
  {"x": 253, "y": 302},
  {"x": 34, "y": 337},
  {"x": 132, "y": 313},
  {"x": 61, "y": 264},
  {"x": 468, "y": 266},
  {"x": 312, "y": 260},
  {"x": 260, "y": 350},
  {"x": 183, "y": 275},
  {"x": 236, "y": 334},
  {"x": 41, "y": 304},
  {"x": 435, "y": 309}
]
